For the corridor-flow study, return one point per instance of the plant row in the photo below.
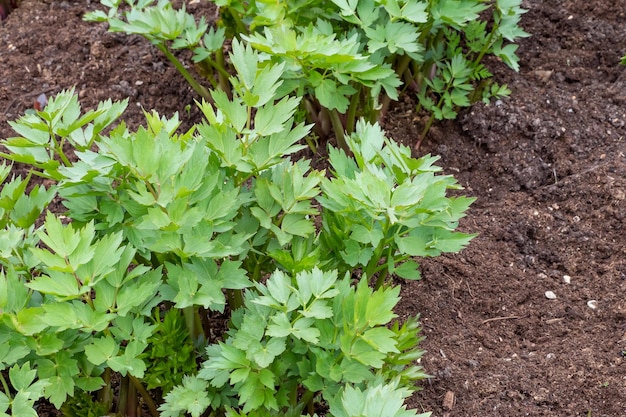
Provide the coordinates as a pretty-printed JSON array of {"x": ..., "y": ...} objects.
[
  {"x": 117, "y": 303},
  {"x": 346, "y": 59}
]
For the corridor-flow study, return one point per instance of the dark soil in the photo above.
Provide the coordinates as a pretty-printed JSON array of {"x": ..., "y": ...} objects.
[{"x": 548, "y": 166}]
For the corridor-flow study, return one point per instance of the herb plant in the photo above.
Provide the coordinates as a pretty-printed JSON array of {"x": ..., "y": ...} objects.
[
  {"x": 347, "y": 59},
  {"x": 163, "y": 229}
]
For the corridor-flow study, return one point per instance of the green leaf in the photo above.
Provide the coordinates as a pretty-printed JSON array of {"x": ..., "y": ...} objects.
[
  {"x": 56, "y": 283},
  {"x": 22, "y": 377},
  {"x": 192, "y": 396},
  {"x": 23, "y": 405},
  {"x": 297, "y": 224},
  {"x": 10, "y": 354},
  {"x": 28, "y": 321},
  {"x": 245, "y": 60},
  {"x": 408, "y": 270},
  {"x": 127, "y": 364},
  {"x": 60, "y": 315},
  {"x": 101, "y": 350},
  {"x": 382, "y": 339},
  {"x": 451, "y": 242},
  {"x": 272, "y": 118}
]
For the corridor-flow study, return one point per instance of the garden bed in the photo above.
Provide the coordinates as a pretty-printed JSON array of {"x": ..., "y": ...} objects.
[{"x": 548, "y": 166}]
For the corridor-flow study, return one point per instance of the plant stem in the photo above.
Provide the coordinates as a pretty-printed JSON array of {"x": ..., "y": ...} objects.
[
  {"x": 338, "y": 128},
  {"x": 222, "y": 74},
  {"x": 6, "y": 387},
  {"x": 382, "y": 275},
  {"x": 241, "y": 28},
  {"x": 206, "y": 325},
  {"x": 372, "y": 265},
  {"x": 486, "y": 47},
  {"x": 355, "y": 100},
  {"x": 104, "y": 395},
  {"x": 122, "y": 399},
  {"x": 235, "y": 299},
  {"x": 131, "y": 403},
  {"x": 190, "y": 321},
  {"x": 145, "y": 395},
  {"x": 307, "y": 398},
  {"x": 198, "y": 88},
  {"x": 429, "y": 123},
  {"x": 320, "y": 124}
]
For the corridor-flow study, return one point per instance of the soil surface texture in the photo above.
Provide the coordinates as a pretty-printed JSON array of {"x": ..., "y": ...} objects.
[{"x": 548, "y": 166}]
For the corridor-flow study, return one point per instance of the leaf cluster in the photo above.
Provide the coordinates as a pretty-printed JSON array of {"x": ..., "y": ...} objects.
[
  {"x": 347, "y": 59},
  {"x": 163, "y": 228},
  {"x": 315, "y": 332}
]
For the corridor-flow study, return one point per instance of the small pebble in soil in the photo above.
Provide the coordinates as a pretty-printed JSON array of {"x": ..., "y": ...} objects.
[
  {"x": 567, "y": 279},
  {"x": 550, "y": 295},
  {"x": 592, "y": 304}
]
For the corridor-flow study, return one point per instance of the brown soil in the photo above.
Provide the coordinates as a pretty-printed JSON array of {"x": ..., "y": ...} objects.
[{"x": 548, "y": 166}]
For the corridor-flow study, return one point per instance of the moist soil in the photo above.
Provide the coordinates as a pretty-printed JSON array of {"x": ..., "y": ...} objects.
[{"x": 547, "y": 165}]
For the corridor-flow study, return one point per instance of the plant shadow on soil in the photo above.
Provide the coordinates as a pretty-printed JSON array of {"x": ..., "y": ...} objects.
[{"x": 548, "y": 166}]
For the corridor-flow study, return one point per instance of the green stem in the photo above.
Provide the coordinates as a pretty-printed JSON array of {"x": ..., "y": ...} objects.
[
  {"x": 383, "y": 109},
  {"x": 235, "y": 299},
  {"x": 338, "y": 128},
  {"x": 58, "y": 148},
  {"x": 320, "y": 124},
  {"x": 307, "y": 398},
  {"x": 352, "y": 109},
  {"x": 145, "y": 395},
  {"x": 206, "y": 70},
  {"x": 311, "y": 142},
  {"x": 487, "y": 46},
  {"x": 190, "y": 320},
  {"x": 239, "y": 25},
  {"x": 222, "y": 75},
  {"x": 122, "y": 402},
  {"x": 198, "y": 88},
  {"x": 382, "y": 275},
  {"x": 372, "y": 265},
  {"x": 131, "y": 403},
  {"x": 104, "y": 395},
  {"x": 431, "y": 119},
  {"x": 256, "y": 273},
  {"x": 429, "y": 123},
  {"x": 6, "y": 387}
]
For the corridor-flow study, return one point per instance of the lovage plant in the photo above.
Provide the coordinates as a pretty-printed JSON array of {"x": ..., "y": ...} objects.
[
  {"x": 347, "y": 59},
  {"x": 163, "y": 230}
]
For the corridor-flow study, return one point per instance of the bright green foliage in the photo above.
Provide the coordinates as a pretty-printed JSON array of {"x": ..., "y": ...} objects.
[
  {"x": 162, "y": 227},
  {"x": 347, "y": 59},
  {"x": 43, "y": 134},
  {"x": 312, "y": 332},
  {"x": 383, "y": 205},
  {"x": 22, "y": 380},
  {"x": 18, "y": 213},
  {"x": 376, "y": 400},
  {"x": 171, "y": 351},
  {"x": 82, "y": 404}
]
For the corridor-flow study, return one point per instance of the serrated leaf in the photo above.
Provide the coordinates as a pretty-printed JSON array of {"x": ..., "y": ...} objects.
[
  {"x": 333, "y": 96},
  {"x": 272, "y": 118},
  {"x": 192, "y": 396},
  {"x": 101, "y": 350},
  {"x": 28, "y": 321},
  {"x": 56, "y": 283},
  {"x": 22, "y": 377},
  {"x": 23, "y": 405},
  {"x": 408, "y": 270}
]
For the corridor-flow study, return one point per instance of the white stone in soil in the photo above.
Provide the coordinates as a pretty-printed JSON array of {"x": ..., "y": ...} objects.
[{"x": 550, "y": 295}]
